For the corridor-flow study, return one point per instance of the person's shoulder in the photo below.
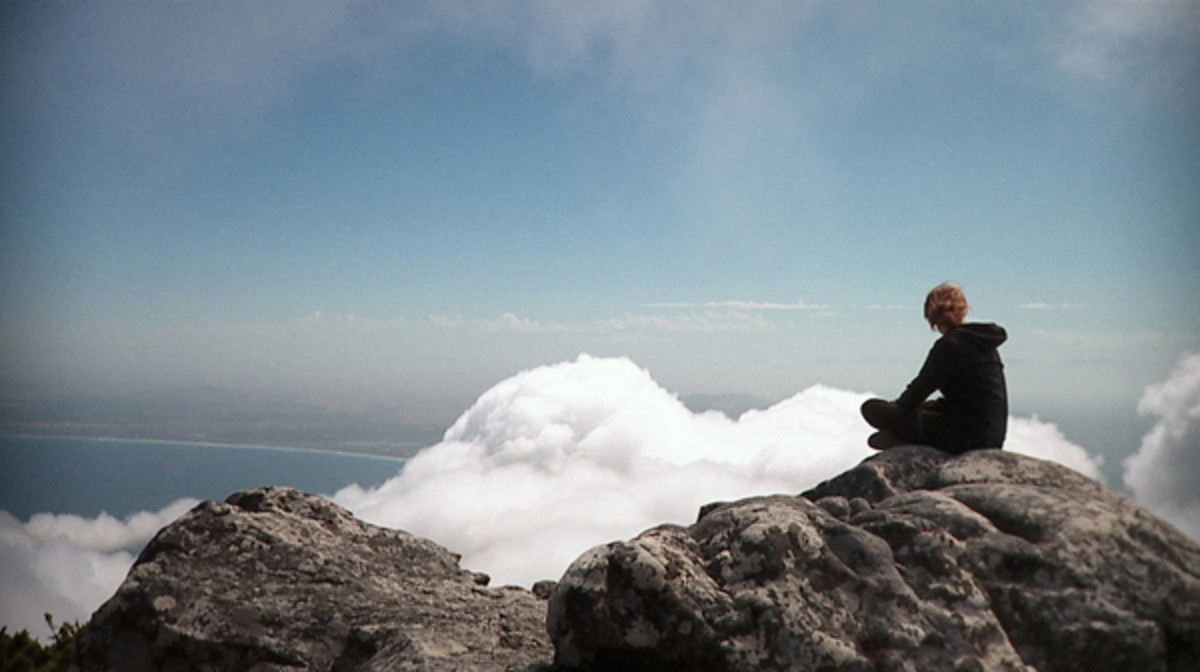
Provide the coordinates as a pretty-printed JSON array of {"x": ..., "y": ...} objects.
[
  {"x": 984, "y": 326},
  {"x": 983, "y": 334},
  {"x": 946, "y": 340},
  {"x": 987, "y": 329}
]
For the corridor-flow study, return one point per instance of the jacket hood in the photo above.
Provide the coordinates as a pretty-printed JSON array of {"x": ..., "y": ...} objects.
[{"x": 983, "y": 335}]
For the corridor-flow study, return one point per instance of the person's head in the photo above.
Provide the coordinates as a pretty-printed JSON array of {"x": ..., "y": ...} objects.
[{"x": 945, "y": 307}]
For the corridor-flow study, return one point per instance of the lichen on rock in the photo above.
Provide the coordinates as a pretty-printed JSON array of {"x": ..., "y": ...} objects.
[
  {"x": 277, "y": 579},
  {"x": 914, "y": 560}
]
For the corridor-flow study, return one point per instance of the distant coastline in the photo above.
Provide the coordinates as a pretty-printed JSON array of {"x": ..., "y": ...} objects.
[
  {"x": 88, "y": 476},
  {"x": 225, "y": 417},
  {"x": 343, "y": 450}
]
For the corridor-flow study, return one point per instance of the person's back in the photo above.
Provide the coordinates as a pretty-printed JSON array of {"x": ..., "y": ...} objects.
[{"x": 965, "y": 366}]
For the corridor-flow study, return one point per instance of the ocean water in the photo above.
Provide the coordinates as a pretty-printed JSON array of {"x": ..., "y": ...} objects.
[{"x": 90, "y": 476}]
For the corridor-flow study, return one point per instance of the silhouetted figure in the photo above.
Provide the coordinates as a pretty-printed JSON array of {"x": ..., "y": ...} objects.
[{"x": 965, "y": 366}]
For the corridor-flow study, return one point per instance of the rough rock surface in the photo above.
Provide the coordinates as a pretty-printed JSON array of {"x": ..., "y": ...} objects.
[
  {"x": 275, "y": 579},
  {"x": 914, "y": 560}
]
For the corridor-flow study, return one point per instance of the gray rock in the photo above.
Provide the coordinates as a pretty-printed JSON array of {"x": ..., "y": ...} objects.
[
  {"x": 914, "y": 560},
  {"x": 275, "y": 579}
]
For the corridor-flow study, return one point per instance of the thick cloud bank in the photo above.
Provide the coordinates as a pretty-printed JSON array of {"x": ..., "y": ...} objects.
[
  {"x": 67, "y": 565},
  {"x": 560, "y": 458},
  {"x": 1035, "y": 438},
  {"x": 543, "y": 466},
  {"x": 1164, "y": 473}
]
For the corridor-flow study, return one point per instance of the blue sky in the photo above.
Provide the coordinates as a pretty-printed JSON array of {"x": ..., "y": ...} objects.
[{"x": 413, "y": 200}]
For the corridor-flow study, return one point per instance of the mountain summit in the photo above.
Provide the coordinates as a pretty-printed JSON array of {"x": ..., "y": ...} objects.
[{"x": 913, "y": 560}]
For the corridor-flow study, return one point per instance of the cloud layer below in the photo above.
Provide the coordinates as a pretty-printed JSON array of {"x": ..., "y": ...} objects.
[
  {"x": 67, "y": 565},
  {"x": 1164, "y": 472},
  {"x": 543, "y": 466},
  {"x": 560, "y": 458}
]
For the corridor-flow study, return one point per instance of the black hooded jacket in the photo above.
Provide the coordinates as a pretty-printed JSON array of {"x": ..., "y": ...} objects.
[{"x": 965, "y": 365}]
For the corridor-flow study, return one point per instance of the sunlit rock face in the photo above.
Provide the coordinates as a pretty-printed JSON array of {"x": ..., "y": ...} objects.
[
  {"x": 914, "y": 560},
  {"x": 276, "y": 579}
]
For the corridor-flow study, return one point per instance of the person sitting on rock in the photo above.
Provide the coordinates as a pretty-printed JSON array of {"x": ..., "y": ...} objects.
[{"x": 965, "y": 366}]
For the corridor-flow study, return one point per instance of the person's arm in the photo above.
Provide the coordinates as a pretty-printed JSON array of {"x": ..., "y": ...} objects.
[{"x": 928, "y": 380}]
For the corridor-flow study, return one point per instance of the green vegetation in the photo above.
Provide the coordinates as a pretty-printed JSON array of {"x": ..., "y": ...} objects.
[{"x": 24, "y": 653}]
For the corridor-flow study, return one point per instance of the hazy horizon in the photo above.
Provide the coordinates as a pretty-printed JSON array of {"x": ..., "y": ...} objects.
[{"x": 401, "y": 428}]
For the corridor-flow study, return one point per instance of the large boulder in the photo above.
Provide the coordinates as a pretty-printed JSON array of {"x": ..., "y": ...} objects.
[
  {"x": 275, "y": 579},
  {"x": 914, "y": 560}
]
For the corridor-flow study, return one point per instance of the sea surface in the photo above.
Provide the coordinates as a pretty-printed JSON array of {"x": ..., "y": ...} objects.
[{"x": 89, "y": 476}]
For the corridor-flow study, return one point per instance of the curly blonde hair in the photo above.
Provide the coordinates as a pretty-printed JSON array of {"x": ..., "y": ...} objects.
[{"x": 946, "y": 305}]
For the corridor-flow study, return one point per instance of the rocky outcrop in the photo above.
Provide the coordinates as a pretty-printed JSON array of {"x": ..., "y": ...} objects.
[
  {"x": 914, "y": 560},
  {"x": 275, "y": 579}
]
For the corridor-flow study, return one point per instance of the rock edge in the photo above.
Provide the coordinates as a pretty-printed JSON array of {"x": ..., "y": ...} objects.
[
  {"x": 913, "y": 560},
  {"x": 275, "y": 579}
]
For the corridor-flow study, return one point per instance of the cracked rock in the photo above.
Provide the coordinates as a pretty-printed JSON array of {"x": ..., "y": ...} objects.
[
  {"x": 914, "y": 560},
  {"x": 276, "y": 579}
]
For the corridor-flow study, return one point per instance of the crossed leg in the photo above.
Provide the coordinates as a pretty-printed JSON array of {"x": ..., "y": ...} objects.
[{"x": 896, "y": 425}]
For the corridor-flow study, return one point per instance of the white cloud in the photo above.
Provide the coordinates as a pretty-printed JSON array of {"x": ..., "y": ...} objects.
[
  {"x": 103, "y": 533},
  {"x": 1037, "y": 438},
  {"x": 1150, "y": 40},
  {"x": 1164, "y": 472},
  {"x": 544, "y": 465},
  {"x": 171, "y": 71},
  {"x": 649, "y": 51},
  {"x": 162, "y": 68},
  {"x": 511, "y": 322},
  {"x": 559, "y": 458},
  {"x": 68, "y": 565}
]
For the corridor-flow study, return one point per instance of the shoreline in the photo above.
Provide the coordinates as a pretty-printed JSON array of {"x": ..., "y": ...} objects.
[
  {"x": 88, "y": 476},
  {"x": 203, "y": 444}
]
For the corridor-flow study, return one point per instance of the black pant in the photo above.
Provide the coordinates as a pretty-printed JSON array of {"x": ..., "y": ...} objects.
[{"x": 926, "y": 425}]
